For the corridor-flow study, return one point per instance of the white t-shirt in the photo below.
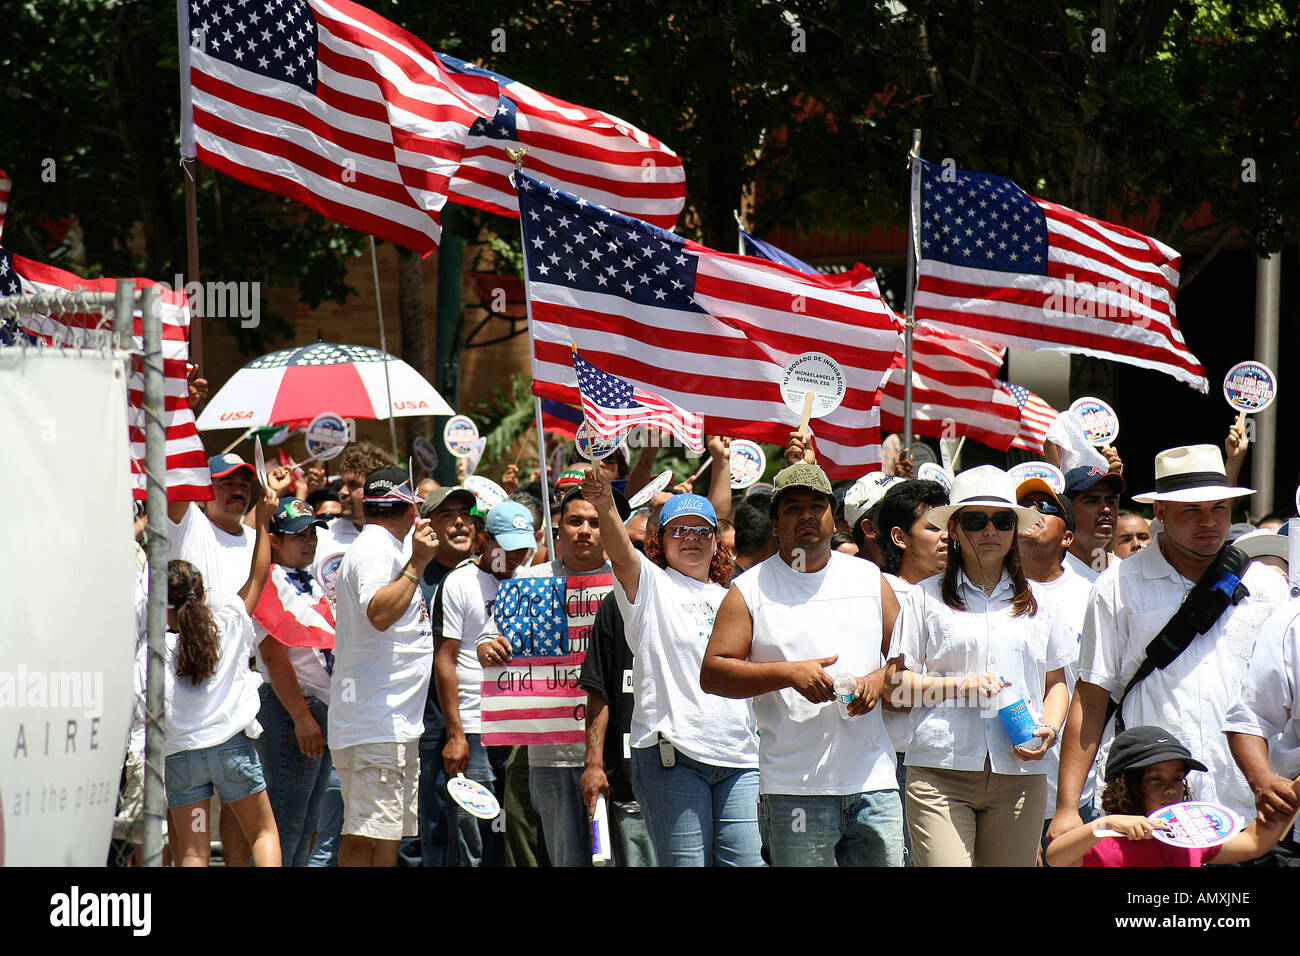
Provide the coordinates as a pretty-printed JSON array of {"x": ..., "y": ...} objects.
[
  {"x": 667, "y": 630},
  {"x": 1266, "y": 704},
  {"x": 1131, "y": 601},
  {"x": 938, "y": 640},
  {"x": 223, "y": 559},
  {"x": 332, "y": 542},
  {"x": 468, "y": 595},
  {"x": 898, "y": 723},
  {"x": 224, "y": 704},
  {"x": 381, "y": 678},
  {"x": 809, "y": 748}
]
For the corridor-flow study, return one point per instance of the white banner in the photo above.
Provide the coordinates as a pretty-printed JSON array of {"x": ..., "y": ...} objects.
[{"x": 67, "y": 643}]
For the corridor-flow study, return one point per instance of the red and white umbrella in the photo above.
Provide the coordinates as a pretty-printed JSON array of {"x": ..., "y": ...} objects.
[{"x": 295, "y": 385}]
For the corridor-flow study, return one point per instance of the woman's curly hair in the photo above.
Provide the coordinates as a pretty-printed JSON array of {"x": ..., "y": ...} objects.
[
  {"x": 198, "y": 641},
  {"x": 720, "y": 568}
]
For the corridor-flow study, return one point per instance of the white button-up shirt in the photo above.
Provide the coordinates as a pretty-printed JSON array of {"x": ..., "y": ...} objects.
[
  {"x": 1266, "y": 703},
  {"x": 1130, "y": 603},
  {"x": 936, "y": 639}
]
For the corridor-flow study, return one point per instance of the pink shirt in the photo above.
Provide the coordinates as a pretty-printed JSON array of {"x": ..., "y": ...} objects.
[{"x": 1121, "y": 851}]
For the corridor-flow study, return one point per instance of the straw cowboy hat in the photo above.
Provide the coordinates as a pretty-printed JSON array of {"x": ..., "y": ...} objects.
[
  {"x": 1191, "y": 473},
  {"x": 984, "y": 487}
]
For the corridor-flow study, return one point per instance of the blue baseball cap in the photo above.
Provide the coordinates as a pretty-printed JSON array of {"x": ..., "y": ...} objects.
[
  {"x": 1078, "y": 480},
  {"x": 679, "y": 505},
  {"x": 294, "y": 515},
  {"x": 221, "y": 465},
  {"x": 511, "y": 524}
]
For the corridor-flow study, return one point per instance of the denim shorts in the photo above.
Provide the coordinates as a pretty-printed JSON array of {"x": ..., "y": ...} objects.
[{"x": 231, "y": 767}]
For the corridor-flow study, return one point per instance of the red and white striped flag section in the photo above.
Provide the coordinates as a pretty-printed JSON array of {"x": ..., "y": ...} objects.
[
  {"x": 954, "y": 391},
  {"x": 326, "y": 103},
  {"x": 292, "y": 617},
  {"x": 998, "y": 265},
  {"x": 580, "y": 150},
  {"x": 188, "y": 478},
  {"x": 611, "y": 406},
  {"x": 5, "y": 185},
  {"x": 1036, "y": 416},
  {"x": 707, "y": 330}
]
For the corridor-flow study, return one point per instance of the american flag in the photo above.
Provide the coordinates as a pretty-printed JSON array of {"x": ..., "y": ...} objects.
[
  {"x": 188, "y": 478},
  {"x": 706, "y": 330},
  {"x": 5, "y": 185},
  {"x": 1036, "y": 416},
  {"x": 955, "y": 390},
  {"x": 581, "y": 150},
  {"x": 859, "y": 277},
  {"x": 612, "y": 406},
  {"x": 326, "y": 103},
  {"x": 999, "y": 265}
]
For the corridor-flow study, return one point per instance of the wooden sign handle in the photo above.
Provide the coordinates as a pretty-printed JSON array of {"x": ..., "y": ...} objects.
[
  {"x": 806, "y": 416},
  {"x": 1241, "y": 419}
]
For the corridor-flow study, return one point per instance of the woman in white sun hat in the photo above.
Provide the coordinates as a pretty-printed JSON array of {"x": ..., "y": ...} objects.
[{"x": 974, "y": 799}]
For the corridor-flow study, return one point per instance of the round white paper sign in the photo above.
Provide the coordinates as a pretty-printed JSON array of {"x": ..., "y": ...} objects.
[
  {"x": 816, "y": 373},
  {"x": 1099, "y": 422},
  {"x": 747, "y": 462}
]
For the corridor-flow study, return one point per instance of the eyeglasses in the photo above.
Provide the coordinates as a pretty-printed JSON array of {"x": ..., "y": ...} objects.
[
  {"x": 978, "y": 520},
  {"x": 703, "y": 532},
  {"x": 1044, "y": 506}
]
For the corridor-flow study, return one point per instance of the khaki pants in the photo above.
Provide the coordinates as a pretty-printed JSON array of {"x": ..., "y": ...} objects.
[{"x": 974, "y": 817}]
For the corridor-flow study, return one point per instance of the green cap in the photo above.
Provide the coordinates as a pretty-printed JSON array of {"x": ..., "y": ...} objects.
[{"x": 801, "y": 475}]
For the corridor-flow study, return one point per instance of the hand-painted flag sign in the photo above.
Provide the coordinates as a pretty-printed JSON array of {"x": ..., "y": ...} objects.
[
  {"x": 187, "y": 463},
  {"x": 326, "y": 103},
  {"x": 1005, "y": 268},
  {"x": 708, "y": 331},
  {"x": 535, "y": 699},
  {"x": 577, "y": 149}
]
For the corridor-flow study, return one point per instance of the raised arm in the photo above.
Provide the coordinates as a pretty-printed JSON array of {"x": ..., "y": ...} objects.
[
  {"x": 623, "y": 558},
  {"x": 392, "y": 600},
  {"x": 251, "y": 592},
  {"x": 720, "y": 481}
]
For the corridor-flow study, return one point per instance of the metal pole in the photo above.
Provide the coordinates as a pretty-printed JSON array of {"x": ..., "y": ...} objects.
[
  {"x": 383, "y": 345},
  {"x": 1268, "y": 283},
  {"x": 183, "y": 41},
  {"x": 155, "y": 464},
  {"x": 913, "y": 250},
  {"x": 546, "y": 488},
  {"x": 124, "y": 314}
]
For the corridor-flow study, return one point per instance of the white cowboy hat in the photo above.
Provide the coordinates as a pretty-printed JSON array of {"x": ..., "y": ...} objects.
[
  {"x": 1191, "y": 473},
  {"x": 986, "y": 487},
  {"x": 1257, "y": 544}
]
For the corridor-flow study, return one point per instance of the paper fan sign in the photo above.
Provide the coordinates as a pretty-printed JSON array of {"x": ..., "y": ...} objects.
[
  {"x": 472, "y": 797},
  {"x": 487, "y": 491},
  {"x": 459, "y": 435},
  {"x": 595, "y": 447},
  {"x": 259, "y": 463},
  {"x": 1250, "y": 387},
  {"x": 747, "y": 463},
  {"x": 930, "y": 471},
  {"x": 475, "y": 456},
  {"x": 656, "y": 485},
  {"x": 326, "y": 435},
  {"x": 1099, "y": 421},
  {"x": 425, "y": 453},
  {"x": 1047, "y": 472},
  {"x": 813, "y": 385}
]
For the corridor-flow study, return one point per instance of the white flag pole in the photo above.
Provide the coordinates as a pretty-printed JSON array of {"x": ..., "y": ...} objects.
[
  {"x": 913, "y": 253},
  {"x": 383, "y": 345}
]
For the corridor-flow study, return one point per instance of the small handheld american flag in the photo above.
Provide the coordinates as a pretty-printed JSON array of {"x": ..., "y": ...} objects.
[{"x": 612, "y": 406}]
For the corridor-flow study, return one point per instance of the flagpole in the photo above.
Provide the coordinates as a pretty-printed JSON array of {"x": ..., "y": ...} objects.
[
  {"x": 191, "y": 191},
  {"x": 518, "y": 156},
  {"x": 909, "y": 321},
  {"x": 383, "y": 345},
  {"x": 740, "y": 233}
]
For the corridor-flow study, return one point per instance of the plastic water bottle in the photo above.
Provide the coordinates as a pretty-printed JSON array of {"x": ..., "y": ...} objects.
[
  {"x": 600, "y": 848},
  {"x": 846, "y": 686},
  {"x": 1014, "y": 714}
]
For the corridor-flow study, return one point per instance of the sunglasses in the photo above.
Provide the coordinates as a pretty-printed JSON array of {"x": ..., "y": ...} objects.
[
  {"x": 978, "y": 520},
  {"x": 703, "y": 532},
  {"x": 1044, "y": 506}
]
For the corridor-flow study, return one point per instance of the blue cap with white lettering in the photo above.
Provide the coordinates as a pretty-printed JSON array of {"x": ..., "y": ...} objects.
[{"x": 679, "y": 505}]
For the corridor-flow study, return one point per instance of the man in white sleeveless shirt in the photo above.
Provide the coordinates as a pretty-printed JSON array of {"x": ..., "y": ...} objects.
[{"x": 827, "y": 788}]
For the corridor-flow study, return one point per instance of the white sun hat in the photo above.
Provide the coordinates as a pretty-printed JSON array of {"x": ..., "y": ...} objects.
[
  {"x": 986, "y": 486},
  {"x": 1191, "y": 473},
  {"x": 865, "y": 493}
]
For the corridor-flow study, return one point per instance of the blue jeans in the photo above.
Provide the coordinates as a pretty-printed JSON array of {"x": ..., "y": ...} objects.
[
  {"x": 434, "y": 806},
  {"x": 475, "y": 842},
  {"x": 632, "y": 846},
  {"x": 295, "y": 783},
  {"x": 856, "y": 829},
  {"x": 697, "y": 814},
  {"x": 329, "y": 825},
  {"x": 231, "y": 767},
  {"x": 557, "y": 799}
]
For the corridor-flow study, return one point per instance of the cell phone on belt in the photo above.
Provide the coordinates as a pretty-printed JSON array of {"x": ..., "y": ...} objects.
[{"x": 667, "y": 754}]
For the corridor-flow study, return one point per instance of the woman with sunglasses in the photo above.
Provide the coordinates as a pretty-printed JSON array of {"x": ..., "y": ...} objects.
[
  {"x": 694, "y": 761},
  {"x": 975, "y": 638}
]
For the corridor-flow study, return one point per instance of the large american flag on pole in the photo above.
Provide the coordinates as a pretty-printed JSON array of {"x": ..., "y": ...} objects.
[
  {"x": 326, "y": 103},
  {"x": 707, "y": 330},
  {"x": 188, "y": 478},
  {"x": 611, "y": 406},
  {"x": 1036, "y": 416},
  {"x": 578, "y": 149},
  {"x": 999, "y": 265}
]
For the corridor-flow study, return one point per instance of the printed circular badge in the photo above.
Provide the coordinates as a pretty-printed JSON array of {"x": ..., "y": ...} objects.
[
  {"x": 1049, "y": 473},
  {"x": 473, "y": 797},
  {"x": 747, "y": 463},
  {"x": 656, "y": 485},
  {"x": 1250, "y": 387},
  {"x": 816, "y": 373},
  {"x": 487, "y": 491},
  {"x": 1099, "y": 422},
  {"x": 760, "y": 488},
  {"x": 922, "y": 453},
  {"x": 425, "y": 453},
  {"x": 1196, "y": 823},
  {"x": 595, "y": 447},
  {"x": 459, "y": 435},
  {"x": 930, "y": 471},
  {"x": 329, "y": 572},
  {"x": 325, "y": 436}
]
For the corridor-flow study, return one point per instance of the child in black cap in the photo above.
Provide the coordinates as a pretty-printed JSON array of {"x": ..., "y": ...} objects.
[{"x": 1146, "y": 771}]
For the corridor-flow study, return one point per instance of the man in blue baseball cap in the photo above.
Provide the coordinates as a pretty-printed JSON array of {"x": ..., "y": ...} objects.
[{"x": 1094, "y": 495}]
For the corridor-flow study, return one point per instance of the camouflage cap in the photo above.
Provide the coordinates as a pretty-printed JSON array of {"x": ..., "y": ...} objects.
[{"x": 801, "y": 475}]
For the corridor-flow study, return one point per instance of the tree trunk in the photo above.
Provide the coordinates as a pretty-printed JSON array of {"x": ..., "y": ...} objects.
[{"x": 415, "y": 352}]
